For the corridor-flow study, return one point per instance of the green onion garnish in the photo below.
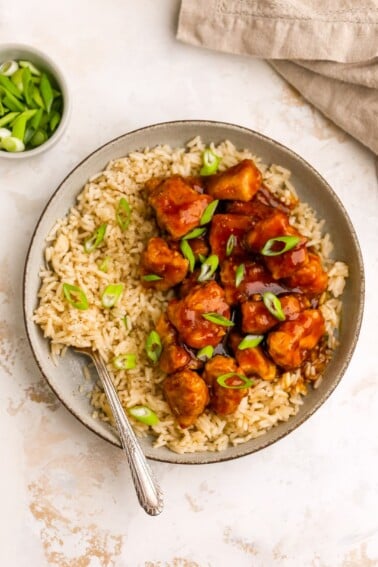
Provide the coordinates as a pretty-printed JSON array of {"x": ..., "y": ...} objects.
[
  {"x": 218, "y": 319},
  {"x": 195, "y": 233},
  {"x": 231, "y": 243},
  {"x": 46, "y": 92},
  {"x": 4, "y": 133},
  {"x": 208, "y": 213},
  {"x": 201, "y": 258},
  {"x": 125, "y": 361},
  {"x": 75, "y": 296},
  {"x": 151, "y": 278},
  {"x": 94, "y": 241},
  {"x": 111, "y": 295},
  {"x": 210, "y": 162},
  {"x": 104, "y": 264},
  {"x": 205, "y": 353},
  {"x": 144, "y": 414},
  {"x": 12, "y": 144},
  {"x": 153, "y": 346},
  {"x": 32, "y": 68},
  {"x": 250, "y": 341},
  {"x": 239, "y": 274},
  {"x": 126, "y": 321},
  {"x": 273, "y": 304},
  {"x": 123, "y": 214},
  {"x": 188, "y": 253},
  {"x": 8, "y": 68},
  {"x": 208, "y": 268},
  {"x": 270, "y": 247},
  {"x": 234, "y": 381}
]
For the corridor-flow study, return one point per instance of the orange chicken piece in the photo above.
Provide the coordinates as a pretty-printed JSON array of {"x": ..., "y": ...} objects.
[
  {"x": 290, "y": 345},
  {"x": 253, "y": 360},
  {"x": 177, "y": 205},
  {"x": 222, "y": 227},
  {"x": 256, "y": 280},
  {"x": 257, "y": 319},
  {"x": 238, "y": 182},
  {"x": 310, "y": 278},
  {"x": 160, "y": 260},
  {"x": 174, "y": 357},
  {"x": 186, "y": 315},
  {"x": 224, "y": 401},
  {"x": 187, "y": 395}
]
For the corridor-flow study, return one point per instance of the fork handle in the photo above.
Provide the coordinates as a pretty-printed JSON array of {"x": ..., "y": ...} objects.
[{"x": 148, "y": 491}]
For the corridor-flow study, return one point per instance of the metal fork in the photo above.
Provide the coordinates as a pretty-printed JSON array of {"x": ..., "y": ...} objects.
[{"x": 147, "y": 488}]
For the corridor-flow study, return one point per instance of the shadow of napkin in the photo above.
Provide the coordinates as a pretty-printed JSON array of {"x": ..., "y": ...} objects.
[{"x": 327, "y": 50}]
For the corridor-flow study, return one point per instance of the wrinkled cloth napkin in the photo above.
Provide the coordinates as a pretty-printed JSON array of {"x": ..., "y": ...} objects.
[{"x": 326, "y": 49}]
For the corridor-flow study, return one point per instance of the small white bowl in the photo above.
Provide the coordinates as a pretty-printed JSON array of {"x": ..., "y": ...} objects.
[{"x": 17, "y": 51}]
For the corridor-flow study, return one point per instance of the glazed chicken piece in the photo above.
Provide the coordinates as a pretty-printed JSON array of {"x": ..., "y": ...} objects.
[
  {"x": 186, "y": 315},
  {"x": 224, "y": 401},
  {"x": 253, "y": 209},
  {"x": 253, "y": 360},
  {"x": 177, "y": 205},
  {"x": 174, "y": 356},
  {"x": 257, "y": 319},
  {"x": 160, "y": 260},
  {"x": 256, "y": 280},
  {"x": 310, "y": 278},
  {"x": 187, "y": 395},
  {"x": 277, "y": 224},
  {"x": 238, "y": 182},
  {"x": 222, "y": 227},
  {"x": 290, "y": 345}
]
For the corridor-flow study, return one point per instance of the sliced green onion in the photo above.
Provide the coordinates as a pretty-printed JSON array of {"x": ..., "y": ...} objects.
[
  {"x": 7, "y": 119},
  {"x": 12, "y": 102},
  {"x": 151, "y": 278},
  {"x": 27, "y": 87},
  {"x": 153, "y": 346},
  {"x": 28, "y": 65},
  {"x": 5, "y": 133},
  {"x": 201, "y": 258},
  {"x": 195, "y": 233},
  {"x": 188, "y": 253},
  {"x": 9, "y": 87},
  {"x": 234, "y": 381},
  {"x": 8, "y": 68},
  {"x": 12, "y": 144},
  {"x": 208, "y": 213},
  {"x": 205, "y": 353},
  {"x": 208, "y": 268},
  {"x": 54, "y": 120},
  {"x": 38, "y": 138},
  {"x": 17, "y": 79},
  {"x": 111, "y": 295},
  {"x": 273, "y": 304},
  {"x": 239, "y": 274},
  {"x": 210, "y": 162},
  {"x": 19, "y": 126},
  {"x": 126, "y": 321},
  {"x": 37, "y": 97},
  {"x": 125, "y": 361},
  {"x": 231, "y": 243},
  {"x": 250, "y": 341},
  {"x": 270, "y": 246},
  {"x": 218, "y": 319},
  {"x": 123, "y": 214},
  {"x": 46, "y": 92},
  {"x": 144, "y": 414},
  {"x": 94, "y": 241},
  {"x": 104, "y": 264},
  {"x": 75, "y": 296},
  {"x": 36, "y": 120}
]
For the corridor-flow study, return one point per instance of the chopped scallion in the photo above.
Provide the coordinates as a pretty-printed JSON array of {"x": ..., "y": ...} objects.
[
  {"x": 8, "y": 68},
  {"x": 111, "y": 295},
  {"x": 208, "y": 268},
  {"x": 75, "y": 296},
  {"x": 195, "y": 233},
  {"x": 94, "y": 241},
  {"x": 205, "y": 353},
  {"x": 144, "y": 415},
  {"x": 208, "y": 213},
  {"x": 273, "y": 246},
  {"x": 218, "y": 319},
  {"x": 123, "y": 214},
  {"x": 234, "y": 381},
  {"x": 250, "y": 341},
  {"x": 239, "y": 274},
  {"x": 273, "y": 304},
  {"x": 231, "y": 243},
  {"x": 153, "y": 346},
  {"x": 125, "y": 361},
  {"x": 151, "y": 278},
  {"x": 210, "y": 162},
  {"x": 188, "y": 253}
]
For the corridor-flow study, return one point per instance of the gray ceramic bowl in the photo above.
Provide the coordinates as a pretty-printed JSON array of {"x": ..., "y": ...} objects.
[
  {"x": 66, "y": 378},
  {"x": 17, "y": 51}
]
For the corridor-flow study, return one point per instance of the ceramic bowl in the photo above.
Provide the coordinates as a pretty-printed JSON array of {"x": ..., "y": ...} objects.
[
  {"x": 16, "y": 51},
  {"x": 66, "y": 378}
]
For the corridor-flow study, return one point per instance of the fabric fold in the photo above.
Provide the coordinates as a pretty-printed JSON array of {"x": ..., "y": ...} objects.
[{"x": 328, "y": 53}]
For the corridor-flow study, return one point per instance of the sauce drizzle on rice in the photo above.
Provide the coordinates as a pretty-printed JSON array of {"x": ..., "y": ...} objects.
[{"x": 267, "y": 402}]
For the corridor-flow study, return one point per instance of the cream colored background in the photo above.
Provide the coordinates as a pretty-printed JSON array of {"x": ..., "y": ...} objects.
[{"x": 66, "y": 496}]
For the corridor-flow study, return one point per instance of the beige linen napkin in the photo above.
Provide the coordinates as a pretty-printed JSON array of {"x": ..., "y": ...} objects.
[{"x": 332, "y": 47}]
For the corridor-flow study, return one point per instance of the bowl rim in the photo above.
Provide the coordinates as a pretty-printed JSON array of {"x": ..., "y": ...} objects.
[
  {"x": 217, "y": 456},
  {"x": 59, "y": 76}
]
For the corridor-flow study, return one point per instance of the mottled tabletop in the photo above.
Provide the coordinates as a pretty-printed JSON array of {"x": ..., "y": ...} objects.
[{"x": 67, "y": 498}]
